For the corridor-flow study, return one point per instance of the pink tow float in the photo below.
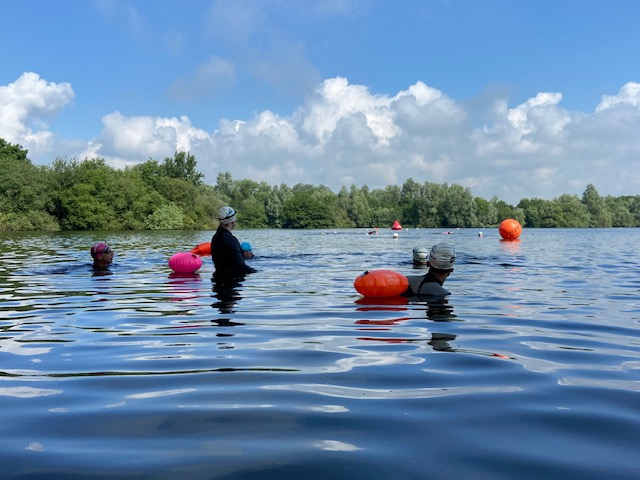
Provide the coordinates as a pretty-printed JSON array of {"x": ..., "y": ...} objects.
[{"x": 185, "y": 262}]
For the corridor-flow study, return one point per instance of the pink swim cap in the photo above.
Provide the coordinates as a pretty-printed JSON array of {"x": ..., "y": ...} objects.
[{"x": 99, "y": 248}]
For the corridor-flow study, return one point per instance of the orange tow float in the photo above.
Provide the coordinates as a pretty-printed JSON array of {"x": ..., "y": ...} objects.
[
  {"x": 381, "y": 283},
  {"x": 203, "y": 249}
]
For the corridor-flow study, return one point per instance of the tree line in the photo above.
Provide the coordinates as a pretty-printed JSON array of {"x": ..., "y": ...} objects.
[{"x": 90, "y": 195}]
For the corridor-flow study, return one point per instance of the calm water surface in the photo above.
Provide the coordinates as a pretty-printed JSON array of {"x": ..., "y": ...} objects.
[{"x": 530, "y": 371}]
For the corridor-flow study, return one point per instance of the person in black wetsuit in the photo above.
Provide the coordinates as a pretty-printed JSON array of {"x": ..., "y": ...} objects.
[
  {"x": 440, "y": 263},
  {"x": 225, "y": 248}
]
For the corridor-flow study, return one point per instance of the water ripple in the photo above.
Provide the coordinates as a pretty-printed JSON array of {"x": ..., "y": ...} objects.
[{"x": 529, "y": 370}]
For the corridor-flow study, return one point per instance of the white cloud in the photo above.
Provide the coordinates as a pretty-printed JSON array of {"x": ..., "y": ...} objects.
[
  {"x": 334, "y": 100},
  {"x": 529, "y": 128},
  {"x": 629, "y": 95},
  {"x": 344, "y": 134},
  {"x": 130, "y": 140},
  {"x": 26, "y": 106}
]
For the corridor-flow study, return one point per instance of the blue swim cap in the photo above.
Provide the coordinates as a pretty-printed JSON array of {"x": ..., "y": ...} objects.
[{"x": 245, "y": 246}]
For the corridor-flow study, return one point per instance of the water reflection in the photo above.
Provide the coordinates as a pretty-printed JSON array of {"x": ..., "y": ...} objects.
[
  {"x": 440, "y": 342},
  {"x": 374, "y": 303},
  {"x": 439, "y": 310},
  {"x": 100, "y": 273},
  {"x": 184, "y": 287},
  {"x": 227, "y": 292},
  {"x": 183, "y": 276}
]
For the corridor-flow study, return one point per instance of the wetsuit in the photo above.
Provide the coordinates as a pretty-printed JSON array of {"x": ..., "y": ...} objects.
[
  {"x": 427, "y": 285},
  {"x": 227, "y": 255}
]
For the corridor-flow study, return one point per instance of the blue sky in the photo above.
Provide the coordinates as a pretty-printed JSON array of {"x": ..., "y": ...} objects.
[{"x": 517, "y": 99}]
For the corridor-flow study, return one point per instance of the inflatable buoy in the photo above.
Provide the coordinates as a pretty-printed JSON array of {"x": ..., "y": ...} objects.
[
  {"x": 381, "y": 283},
  {"x": 185, "y": 262},
  {"x": 396, "y": 226},
  {"x": 510, "y": 229},
  {"x": 202, "y": 249}
]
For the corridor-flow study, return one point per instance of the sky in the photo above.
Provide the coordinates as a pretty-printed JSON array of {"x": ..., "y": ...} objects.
[{"x": 509, "y": 98}]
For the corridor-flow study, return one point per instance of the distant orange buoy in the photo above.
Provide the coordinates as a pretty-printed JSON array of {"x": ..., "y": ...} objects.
[
  {"x": 510, "y": 229},
  {"x": 381, "y": 283},
  {"x": 202, "y": 249}
]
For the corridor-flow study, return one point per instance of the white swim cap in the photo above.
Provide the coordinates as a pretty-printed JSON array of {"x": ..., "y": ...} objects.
[
  {"x": 420, "y": 255},
  {"x": 226, "y": 215},
  {"x": 442, "y": 256}
]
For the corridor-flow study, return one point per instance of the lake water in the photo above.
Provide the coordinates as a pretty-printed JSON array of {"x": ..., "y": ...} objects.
[{"x": 530, "y": 371}]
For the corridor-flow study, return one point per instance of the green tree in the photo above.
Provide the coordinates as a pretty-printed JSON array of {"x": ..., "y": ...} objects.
[
  {"x": 80, "y": 191},
  {"x": 486, "y": 212},
  {"x": 275, "y": 203},
  {"x": 432, "y": 205},
  {"x": 83, "y": 209},
  {"x": 225, "y": 187},
  {"x": 459, "y": 208},
  {"x": 385, "y": 206},
  {"x": 505, "y": 211},
  {"x": 391, "y": 195},
  {"x": 574, "y": 212},
  {"x": 205, "y": 207},
  {"x": 28, "y": 221},
  {"x": 166, "y": 217},
  {"x": 411, "y": 196},
  {"x": 149, "y": 171},
  {"x": 132, "y": 199},
  {"x": 620, "y": 208},
  {"x": 23, "y": 191},
  {"x": 600, "y": 215},
  {"x": 357, "y": 208},
  {"x": 634, "y": 209},
  {"x": 306, "y": 210},
  {"x": 541, "y": 213},
  {"x": 252, "y": 213},
  {"x": 183, "y": 167},
  {"x": 13, "y": 152}
]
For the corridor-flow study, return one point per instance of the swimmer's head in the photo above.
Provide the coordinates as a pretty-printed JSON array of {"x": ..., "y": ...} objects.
[
  {"x": 442, "y": 256},
  {"x": 226, "y": 215},
  {"x": 420, "y": 255},
  {"x": 99, "y": 248},
  {"x": 246, "y": 250}
]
